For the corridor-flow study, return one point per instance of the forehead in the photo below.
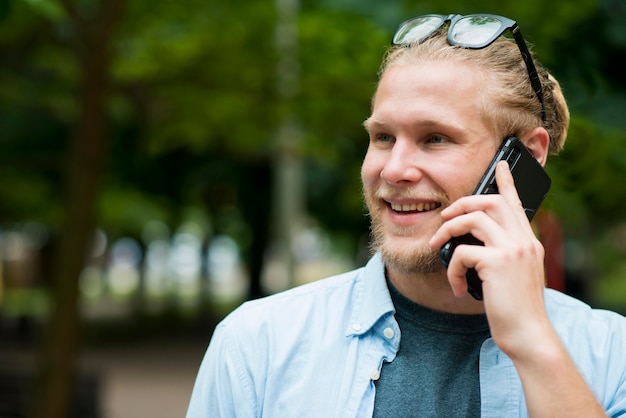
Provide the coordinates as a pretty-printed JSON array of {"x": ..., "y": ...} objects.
[{"x": 442, "y": 92}]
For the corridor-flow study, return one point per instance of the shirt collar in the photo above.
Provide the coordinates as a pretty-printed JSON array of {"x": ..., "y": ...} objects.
[{"x": 372, "y": 298}]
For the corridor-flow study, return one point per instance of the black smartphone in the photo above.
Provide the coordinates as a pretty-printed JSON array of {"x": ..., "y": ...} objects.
[{"x": 532, "y": 184}]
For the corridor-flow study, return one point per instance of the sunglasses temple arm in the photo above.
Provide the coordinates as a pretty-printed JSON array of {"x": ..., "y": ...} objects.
[{"x": 532, "y": 70}]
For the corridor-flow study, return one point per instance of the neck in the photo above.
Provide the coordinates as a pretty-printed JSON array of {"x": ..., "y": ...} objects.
[{"x": 433, "y": 291}]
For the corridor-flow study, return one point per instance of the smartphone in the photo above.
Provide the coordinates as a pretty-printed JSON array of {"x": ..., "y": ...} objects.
[{"x": 532, "y": 184}]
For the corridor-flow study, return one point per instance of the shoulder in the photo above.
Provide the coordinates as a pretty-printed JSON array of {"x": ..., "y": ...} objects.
[
  {"x": 595, "y": 338},
  {"x": 296, "y": 306},
  {"x": 575, "y": 320},
  {"x": 322, "y": 312},
  {"x": 567, "y": 311},
  {"x": 283, "y": 327}
]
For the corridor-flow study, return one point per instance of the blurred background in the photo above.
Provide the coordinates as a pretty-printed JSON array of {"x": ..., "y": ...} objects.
[{"x": 161, "y": 162}]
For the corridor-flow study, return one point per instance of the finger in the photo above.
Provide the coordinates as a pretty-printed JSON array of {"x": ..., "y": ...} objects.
[
  {"x": 507, "y": 189},
  {"x": 499, "y": 206},
  {"x": 478, "y": 223},
  {"x": 455, "y": 227},
  {"x": 506, "y": 184},
  {"x": 465, "y": 257},
  {"x": 469, "y": 204}
]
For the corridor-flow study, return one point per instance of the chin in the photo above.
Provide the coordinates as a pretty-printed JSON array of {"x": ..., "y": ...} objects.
[
  {"x": 403, "y": 248},
  {"x": 408, "y": 259}
]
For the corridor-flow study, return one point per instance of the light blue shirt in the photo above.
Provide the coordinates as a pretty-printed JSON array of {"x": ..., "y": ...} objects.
[{"x": 316, "y": 350}]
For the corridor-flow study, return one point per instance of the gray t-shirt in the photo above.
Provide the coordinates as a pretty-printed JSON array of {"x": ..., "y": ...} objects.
[{"x": 435, "y": 373}]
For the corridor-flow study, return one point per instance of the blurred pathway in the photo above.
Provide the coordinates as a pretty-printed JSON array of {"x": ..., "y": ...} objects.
[{"x": 147, "y": 379}]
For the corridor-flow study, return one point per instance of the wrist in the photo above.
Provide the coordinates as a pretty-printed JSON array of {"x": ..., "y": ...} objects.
[
  {"x": 536, "y": 343},
  {"x": 544, "y": 351}
]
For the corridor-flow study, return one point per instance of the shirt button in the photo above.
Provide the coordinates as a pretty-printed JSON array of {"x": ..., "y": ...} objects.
[
  {"x": 375, "y": 374},
  {"x": 388, "y": 332},
  {"x": 356, "y": 327}
]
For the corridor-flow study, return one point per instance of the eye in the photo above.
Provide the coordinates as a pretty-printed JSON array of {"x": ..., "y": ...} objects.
[
  {"x": 382, "y": 137},
  {"x": 436, "y": 139},
  {"x": 385, "y": 137}
]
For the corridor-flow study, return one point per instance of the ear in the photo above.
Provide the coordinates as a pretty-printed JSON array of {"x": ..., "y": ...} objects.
[{"x": 538, "y": 142}]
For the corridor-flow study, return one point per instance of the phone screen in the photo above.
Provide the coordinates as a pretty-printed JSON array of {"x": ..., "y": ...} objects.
[{"x": 532, "y": 184}]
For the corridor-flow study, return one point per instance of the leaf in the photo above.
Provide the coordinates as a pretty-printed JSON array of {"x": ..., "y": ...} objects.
[{"x": 51, "y": 9}]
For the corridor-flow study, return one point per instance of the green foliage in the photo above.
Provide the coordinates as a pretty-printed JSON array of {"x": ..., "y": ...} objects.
[
  {"x": 23, "y": 194},
  {"x": 587, "y": 173},
  {"x": 337, "y": 81},
  {"x": 194, "y": 104},
  {"x": 125, "y": 210},
  {"x": 51, "y": 9},
  {"x": 202, "y": 83},
  {"x": 338, "y": 77}
]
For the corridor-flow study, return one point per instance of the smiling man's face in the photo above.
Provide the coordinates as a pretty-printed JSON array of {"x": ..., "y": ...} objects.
[{"x": 429, "y": 145}]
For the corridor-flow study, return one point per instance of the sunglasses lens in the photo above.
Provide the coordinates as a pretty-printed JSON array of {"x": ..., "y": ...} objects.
[
  {"x": 475, "y": 30},
  {"x": 417, "y": 29}
]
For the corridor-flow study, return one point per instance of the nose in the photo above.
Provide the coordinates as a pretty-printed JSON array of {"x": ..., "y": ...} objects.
[{"x": 403, "y": 164}]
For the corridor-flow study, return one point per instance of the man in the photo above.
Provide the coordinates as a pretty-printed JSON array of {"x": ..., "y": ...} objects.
[{"x": 401, "y": 337}]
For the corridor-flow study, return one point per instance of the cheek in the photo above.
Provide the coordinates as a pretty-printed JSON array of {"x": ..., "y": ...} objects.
[
  {"x": 457, "y": 176},
  {"x": 466, "y": 176},
  {"x": 370, "y": 170}
]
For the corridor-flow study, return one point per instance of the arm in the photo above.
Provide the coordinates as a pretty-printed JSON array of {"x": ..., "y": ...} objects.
[
  {"x": 511, "y": 268},
  {"x": 552, "y": 384},
  {"x": 222, "y": 388}
]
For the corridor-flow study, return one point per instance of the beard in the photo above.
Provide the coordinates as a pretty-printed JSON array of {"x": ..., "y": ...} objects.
[
  {"x": 418, "y": 258},
  {"x": 407, "y": 260}
]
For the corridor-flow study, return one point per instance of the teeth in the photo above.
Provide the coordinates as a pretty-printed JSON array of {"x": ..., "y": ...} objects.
[{"x": 419, "y": 207}]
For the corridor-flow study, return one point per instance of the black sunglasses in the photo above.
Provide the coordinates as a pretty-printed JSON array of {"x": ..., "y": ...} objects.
[{"x": 474, "y": 31}]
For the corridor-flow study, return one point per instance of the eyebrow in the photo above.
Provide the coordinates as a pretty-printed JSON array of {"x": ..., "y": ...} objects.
[{"x": 370, "y": 123}]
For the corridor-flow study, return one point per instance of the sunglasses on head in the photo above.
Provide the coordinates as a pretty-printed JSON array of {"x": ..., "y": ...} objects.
[{"x": 474, "y": 31}]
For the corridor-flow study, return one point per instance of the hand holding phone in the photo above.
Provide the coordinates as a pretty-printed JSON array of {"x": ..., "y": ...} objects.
[{"x": 532, "y": 184}]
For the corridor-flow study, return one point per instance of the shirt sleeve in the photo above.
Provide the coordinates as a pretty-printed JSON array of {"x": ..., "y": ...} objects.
[
  {"x": 617, "y": 364},
  {"x": 224, "y": 387},
  {"x": 618, "y": 409}
]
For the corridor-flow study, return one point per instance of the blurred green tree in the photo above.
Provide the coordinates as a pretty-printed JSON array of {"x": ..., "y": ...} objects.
[{"x": 85, "y": 31}]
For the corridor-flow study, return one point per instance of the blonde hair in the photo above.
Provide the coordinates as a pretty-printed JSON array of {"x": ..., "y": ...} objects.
[{"x": 509, "y": 100}]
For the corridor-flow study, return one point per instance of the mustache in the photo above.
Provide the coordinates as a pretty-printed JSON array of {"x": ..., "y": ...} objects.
[{"x": 387, "y": 192}]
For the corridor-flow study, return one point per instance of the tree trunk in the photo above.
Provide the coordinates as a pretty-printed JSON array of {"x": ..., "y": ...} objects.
[{"x": 85, "y": 166}]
